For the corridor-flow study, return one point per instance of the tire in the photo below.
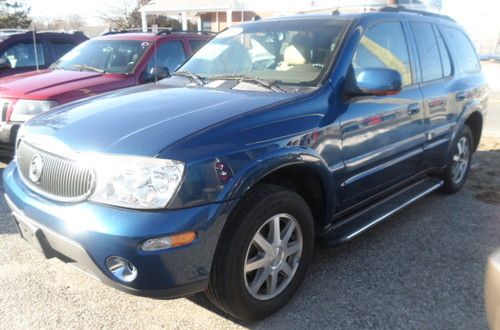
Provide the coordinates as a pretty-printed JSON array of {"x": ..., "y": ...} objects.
[
  {"x": 454, "y": 181},
  {"x": 230, "y": 287}
]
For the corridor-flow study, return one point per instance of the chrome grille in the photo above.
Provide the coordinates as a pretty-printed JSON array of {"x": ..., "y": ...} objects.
[{"x": 61, "y": 178}]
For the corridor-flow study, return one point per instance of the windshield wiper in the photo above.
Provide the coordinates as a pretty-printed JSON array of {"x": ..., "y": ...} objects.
[
  {"x": 192, "y": 76},
  {"x": 55, "y": 66},
  {"x": 268, "y": 84},
  {"x": 85, "y": 67}
]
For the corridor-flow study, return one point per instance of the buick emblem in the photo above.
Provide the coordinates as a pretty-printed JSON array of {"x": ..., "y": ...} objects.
[{"x": 36, "y": 168}]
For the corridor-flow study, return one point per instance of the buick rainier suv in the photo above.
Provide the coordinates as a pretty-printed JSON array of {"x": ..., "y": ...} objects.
[{"x": 276, "y": 135}]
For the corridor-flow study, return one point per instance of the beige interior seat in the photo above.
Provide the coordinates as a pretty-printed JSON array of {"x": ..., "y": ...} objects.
[{"x": 296, "y": 57}]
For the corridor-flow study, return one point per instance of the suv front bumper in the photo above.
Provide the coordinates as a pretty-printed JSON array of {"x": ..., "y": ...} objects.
[{"x": 86, "y": 234}]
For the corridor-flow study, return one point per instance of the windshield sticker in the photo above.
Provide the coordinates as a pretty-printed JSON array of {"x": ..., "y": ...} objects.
[
  {"x": 211, "y": 51},
  {"x": 145, "y": 44}
]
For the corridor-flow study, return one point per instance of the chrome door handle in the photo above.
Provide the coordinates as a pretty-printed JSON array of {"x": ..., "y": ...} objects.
[
  {"x": 460, "y": 96},
  {"x": 413, "y": 109}
]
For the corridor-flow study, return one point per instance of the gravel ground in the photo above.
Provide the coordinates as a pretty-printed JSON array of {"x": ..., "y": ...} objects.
[{"x": 423, "y": 268}]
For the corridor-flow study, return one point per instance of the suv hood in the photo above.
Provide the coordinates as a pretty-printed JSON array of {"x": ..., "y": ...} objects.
[
  {"x": 49, "y": 84},
  {"x": 143, "y": 120}
]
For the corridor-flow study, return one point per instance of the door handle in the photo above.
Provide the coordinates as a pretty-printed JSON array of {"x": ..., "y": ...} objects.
[
  {"x": 460, "y": 96},
  {"x": 413, "y": 109}
]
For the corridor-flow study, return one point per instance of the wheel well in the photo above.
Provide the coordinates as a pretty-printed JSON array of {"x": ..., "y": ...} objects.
[
  {"x": 307, "y": 183},
  {"x": 475, "y": 123}
]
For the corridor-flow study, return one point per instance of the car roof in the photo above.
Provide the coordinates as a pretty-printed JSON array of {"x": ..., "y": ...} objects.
[
  {"x": 7, "y": 34},
  {"x": 382, "y": 13},
  {"x": 148, "y": 36}
]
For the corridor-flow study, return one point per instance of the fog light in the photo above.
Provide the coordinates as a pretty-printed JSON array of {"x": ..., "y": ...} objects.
[
  {"x": 167, "y": 242},
  {"x": 121, "y": 268}
]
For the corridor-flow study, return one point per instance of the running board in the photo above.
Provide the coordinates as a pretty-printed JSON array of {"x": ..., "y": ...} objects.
[{"x": 345, "y": 229}]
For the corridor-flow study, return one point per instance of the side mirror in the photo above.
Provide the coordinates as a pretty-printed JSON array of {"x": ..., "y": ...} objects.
[
  {"x": 375, "y": 82},
  {"x": 5, "y": 64},
  {"x": 156, "y": 73},
  {"x": 160, "y": 73}
]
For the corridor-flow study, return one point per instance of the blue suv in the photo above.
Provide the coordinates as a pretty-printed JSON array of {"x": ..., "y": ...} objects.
[{"x": 275, "y": 135}]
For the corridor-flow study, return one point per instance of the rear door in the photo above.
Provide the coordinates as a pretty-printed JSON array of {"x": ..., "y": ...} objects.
[
  {"x": 382, "y": 136},
  {"x": 439, "y": 90}
]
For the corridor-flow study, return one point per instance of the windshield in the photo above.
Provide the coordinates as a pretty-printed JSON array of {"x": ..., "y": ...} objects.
[
  {"x": 288, "y": 52},
  {"x": 114, "y": 56}
]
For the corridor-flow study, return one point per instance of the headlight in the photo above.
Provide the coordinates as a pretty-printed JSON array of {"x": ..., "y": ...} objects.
[
  {"x": 27, "y": 109},
  {"x": 135, "y": 182}
]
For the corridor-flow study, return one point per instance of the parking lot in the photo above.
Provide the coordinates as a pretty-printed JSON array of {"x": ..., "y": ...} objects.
[{"x": 424, "y": 267}]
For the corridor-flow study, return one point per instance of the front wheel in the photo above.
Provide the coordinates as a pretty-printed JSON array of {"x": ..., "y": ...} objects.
[
  {"x": 458, "y": 166},
  {"x": 263, "y": 254}
]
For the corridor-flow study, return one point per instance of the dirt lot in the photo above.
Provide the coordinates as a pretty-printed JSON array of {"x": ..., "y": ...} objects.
[{"x": 484, "y": 178}]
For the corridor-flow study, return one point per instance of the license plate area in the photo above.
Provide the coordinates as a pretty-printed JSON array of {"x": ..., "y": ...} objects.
[{"x": 34, "y": 236}]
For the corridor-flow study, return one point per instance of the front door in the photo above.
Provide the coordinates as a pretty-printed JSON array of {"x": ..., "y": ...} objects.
[{"x": 382, "y": 136}]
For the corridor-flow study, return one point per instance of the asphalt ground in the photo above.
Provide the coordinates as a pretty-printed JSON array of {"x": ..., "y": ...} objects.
[{"x": 422, "y": 268}]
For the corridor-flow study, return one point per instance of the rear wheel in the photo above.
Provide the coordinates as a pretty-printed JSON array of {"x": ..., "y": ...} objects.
[
  {"x": 458, "y": 166},
  {"x": 263, "y": 253}
]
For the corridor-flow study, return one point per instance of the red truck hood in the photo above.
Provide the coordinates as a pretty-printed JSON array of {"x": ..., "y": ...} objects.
[{"x": 59, "y": 85}]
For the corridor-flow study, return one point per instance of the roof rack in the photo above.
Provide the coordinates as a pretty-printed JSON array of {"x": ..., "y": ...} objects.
[
  {"x": 132, "y": 30},
  {"x": 173, "y": 31},
  {"x": 13, "y": 30},
  {"x": 398, "y": 9}
]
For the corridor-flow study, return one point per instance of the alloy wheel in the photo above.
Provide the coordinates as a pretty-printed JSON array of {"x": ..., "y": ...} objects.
[
  {"x": 273, "y": 256},
  {"x": 460, "y": 159}
]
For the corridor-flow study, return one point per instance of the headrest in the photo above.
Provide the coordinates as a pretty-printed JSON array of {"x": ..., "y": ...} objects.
[
  {"x": 296, "y": 53},
  {"x": 292, "y": 56}
]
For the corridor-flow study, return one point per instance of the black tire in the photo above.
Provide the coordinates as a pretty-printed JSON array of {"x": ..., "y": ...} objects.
[
  {"x": 452, "y": 186},
  {"x": 227, "y": 289}
]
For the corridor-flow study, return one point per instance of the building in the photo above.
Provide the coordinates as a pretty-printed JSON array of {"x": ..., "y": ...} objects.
[{"x": 215, "y": 15}]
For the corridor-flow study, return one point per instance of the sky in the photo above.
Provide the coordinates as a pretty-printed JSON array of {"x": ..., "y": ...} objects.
[
  {"x": 88, "y": 9},
  {"x": 468, "y": 13}
]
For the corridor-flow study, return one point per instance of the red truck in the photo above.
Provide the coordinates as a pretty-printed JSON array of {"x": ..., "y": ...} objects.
[{"x": 99, "y": 65}]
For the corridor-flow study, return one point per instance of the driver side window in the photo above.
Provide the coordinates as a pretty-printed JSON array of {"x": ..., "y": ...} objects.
[
  {"x": 22, "y": 54},
  {"x": 169, "y": 55},
  {"x": 384, "y": 46}
]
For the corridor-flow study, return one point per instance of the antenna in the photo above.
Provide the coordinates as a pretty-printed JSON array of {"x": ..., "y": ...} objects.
[
  {"x": 155, "y": 45},
  {"x": 154, "y": 67},
  {"x": 34, "y": 47}
]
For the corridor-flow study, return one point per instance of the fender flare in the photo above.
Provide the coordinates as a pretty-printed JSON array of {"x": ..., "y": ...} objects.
[
  {"x": 469, "y": 109},
  {"x": 278, "y": 159}
]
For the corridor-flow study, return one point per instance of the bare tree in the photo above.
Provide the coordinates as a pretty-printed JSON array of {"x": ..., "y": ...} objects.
[
  {"x": 14, "y": 14},
  {"x": 72, "y": 22},
  {"x": 124, "y": 17}
]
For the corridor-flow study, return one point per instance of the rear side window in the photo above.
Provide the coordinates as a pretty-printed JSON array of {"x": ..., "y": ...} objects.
[
  {"x": 445, "y": 55},
  {"x": 463, "y": 50},
  {"x": 59, "y": 48},
  {"x": 428, "y": 51},
  {"x": 196, "y": 44},
  {"x": 384, "y": 46}
]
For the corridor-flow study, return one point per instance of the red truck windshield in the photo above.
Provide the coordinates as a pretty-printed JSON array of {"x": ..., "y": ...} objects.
[{"x": 114, "y": 56}]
